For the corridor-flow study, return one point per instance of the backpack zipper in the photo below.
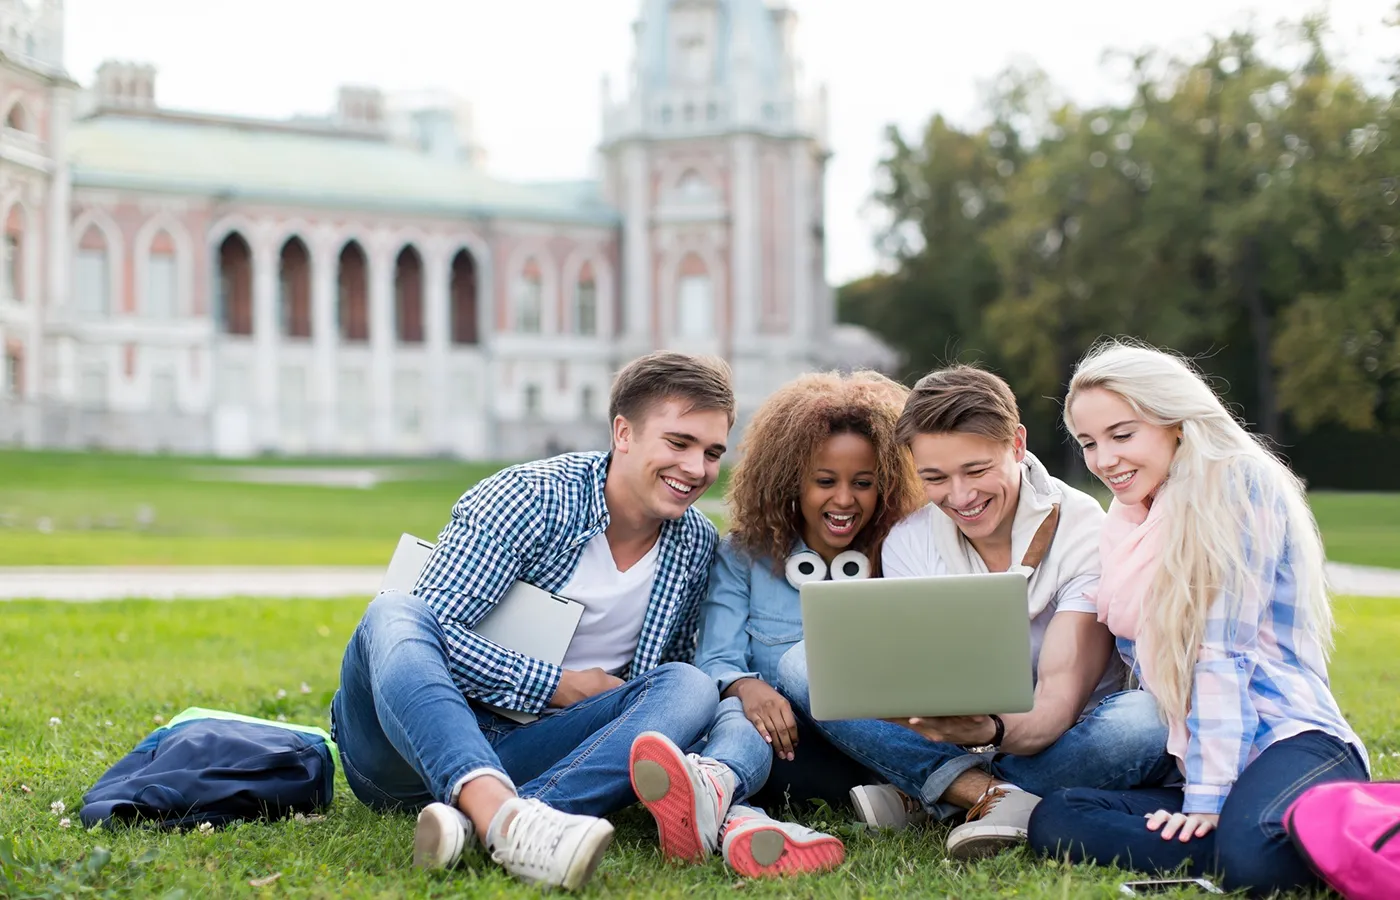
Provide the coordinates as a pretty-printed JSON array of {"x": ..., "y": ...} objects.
[{"x": 1385, "y": 837}]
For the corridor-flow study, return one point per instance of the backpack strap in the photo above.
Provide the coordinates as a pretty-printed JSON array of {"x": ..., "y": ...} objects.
[{"x": 1040, "y": 543}]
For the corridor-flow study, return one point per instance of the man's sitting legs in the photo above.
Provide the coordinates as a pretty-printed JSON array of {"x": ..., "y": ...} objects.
[
  {"x": 1120, "y": 744},
  {"x": 408, "y": 738}
]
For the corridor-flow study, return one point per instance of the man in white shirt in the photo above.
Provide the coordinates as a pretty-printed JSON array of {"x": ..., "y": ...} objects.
[{"x": 992, "y": 506}]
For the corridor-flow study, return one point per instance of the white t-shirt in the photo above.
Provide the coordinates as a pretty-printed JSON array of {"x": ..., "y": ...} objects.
[
  {"x": 909, "y": 552},
  {"x": 614, "y": 606}
]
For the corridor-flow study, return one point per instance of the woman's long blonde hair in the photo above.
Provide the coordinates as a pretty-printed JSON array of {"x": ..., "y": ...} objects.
[{"x": 1231, "y": 509}]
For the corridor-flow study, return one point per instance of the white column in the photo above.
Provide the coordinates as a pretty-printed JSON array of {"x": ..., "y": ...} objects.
[
  {"x": 437, "y": 322},
  {"x": 59, "y": 260},
  {"x": 804, "y": 292},
  {"x": 745, "y": 244},
  {"x": 325, "y": 337},
  {"x": 266, "y": 339},
  {"x": 636, "y": 252},
  {"x": 381, "y": 346}
]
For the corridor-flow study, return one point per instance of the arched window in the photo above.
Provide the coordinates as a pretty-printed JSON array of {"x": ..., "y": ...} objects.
[
  {"x": 162, "y": 279},
  {"x": 14, "y": 254},
  {"x": 463, "y": 299},
  {"x": 17, "y": 118},
  {"x": 695, "y": 307},
  {"x": 586, "y": 302},
  {"x": 408, "y": 296},
  {"x": 235, "y": 289},
  {"x": 692, "y": 187},
  {"x": 352, "y": 305},
  {"x": 529, "y": 299},
  {"x": 92, "y": 276},
  {"x": 294, "y": 289}
]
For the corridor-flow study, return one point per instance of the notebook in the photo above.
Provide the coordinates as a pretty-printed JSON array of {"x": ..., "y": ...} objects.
[{"x": 527, "y": 619}]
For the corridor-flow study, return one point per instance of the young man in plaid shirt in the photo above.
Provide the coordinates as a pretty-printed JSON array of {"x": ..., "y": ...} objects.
[{"x": 614, "y": 531}]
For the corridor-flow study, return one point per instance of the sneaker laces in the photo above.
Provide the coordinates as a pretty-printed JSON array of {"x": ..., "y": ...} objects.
[
  {"x": 986, "y": 803},
  {"x": 911, "y": 806},
  {"x": 714, "y": 770},
  {"x": 535, "y": 845}
]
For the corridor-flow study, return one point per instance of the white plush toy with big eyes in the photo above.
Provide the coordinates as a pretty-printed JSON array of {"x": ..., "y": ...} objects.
[{"x": 805, "y": 566}]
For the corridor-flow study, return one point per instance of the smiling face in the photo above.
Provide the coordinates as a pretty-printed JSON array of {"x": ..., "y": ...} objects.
[
  {"x": 1129, "y": 455},
  {"x": 974, "y": 480},
  {"x": 665, "y": 461},
  {"x": 838, "y": 494}
]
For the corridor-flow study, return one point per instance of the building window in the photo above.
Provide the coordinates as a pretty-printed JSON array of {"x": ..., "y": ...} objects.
[
  {"x": 163, "y": 391},
  {"x": 14, "y": 373},
  {"x": 585, "y": 402},
  {"x": 532, "y": 400},
  {"x": 695, "y": 315},
  {"x": 92, "y": 386},
  {"x": 91, "y": 283},
  {"x": 529, "y": 300},
  {"x": 160, "y": 286},
  {"x": 586, "y": 303},
  {"x": 13, "y": 264}
]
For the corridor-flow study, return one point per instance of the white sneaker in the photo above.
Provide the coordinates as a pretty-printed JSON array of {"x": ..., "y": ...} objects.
[
  {"x": 886, "y": 806},
  {"x": 756, "y": 845},
  {"x": 688, "y": 795},
  {"x": 545, "y": 846},
  {"x": 442, "y": 836},
  {"x": 995, "y": 823}
]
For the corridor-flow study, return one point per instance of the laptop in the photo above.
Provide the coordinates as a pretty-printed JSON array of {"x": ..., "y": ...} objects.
[
  {"x": 527, "y": 619},
  {"x": 946, "y": 645}
]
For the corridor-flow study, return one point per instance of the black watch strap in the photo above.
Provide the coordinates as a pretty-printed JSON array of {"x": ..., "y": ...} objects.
[{"x": 1001, "y": 731}]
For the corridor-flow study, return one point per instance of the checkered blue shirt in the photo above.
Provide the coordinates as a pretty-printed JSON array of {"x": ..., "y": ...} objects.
[
  {"x": 1260, "y": 678},
  {"x": 531, "y": 522}
]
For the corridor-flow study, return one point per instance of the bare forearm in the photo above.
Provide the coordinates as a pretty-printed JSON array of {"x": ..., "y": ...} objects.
[{"x": 1029, "y": 733}]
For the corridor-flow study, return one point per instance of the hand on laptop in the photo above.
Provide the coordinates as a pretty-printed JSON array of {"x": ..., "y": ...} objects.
[
  {"x": 770, "y": 712},
  {"x": 963, "y": 730},
  {"x": 580, "y": 685}
]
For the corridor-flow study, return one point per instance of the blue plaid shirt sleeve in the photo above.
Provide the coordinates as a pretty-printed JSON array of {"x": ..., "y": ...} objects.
[
  {"x": 681, "y": 647},
  {"x": 1223, "y": 721},
  {"x": 495, "y": 527}
]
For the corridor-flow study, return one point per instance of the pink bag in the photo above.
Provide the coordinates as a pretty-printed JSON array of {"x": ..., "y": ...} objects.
[{"x": 1349, "y": 832}]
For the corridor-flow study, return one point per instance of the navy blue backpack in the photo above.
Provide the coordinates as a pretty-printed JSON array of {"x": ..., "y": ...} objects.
[{"x": 209, "y": 766}]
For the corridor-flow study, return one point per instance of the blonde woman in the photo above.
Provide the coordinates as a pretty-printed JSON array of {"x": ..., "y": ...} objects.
[{"x": 1213, "y": 586}]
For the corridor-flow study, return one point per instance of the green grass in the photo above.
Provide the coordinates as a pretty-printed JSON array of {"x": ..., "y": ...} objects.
[
  {"x": 106, "y": 670},
  {"x": 91, "y": 508}
]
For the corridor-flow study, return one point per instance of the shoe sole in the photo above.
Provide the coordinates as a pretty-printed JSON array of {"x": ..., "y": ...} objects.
[
  {"x": 986, "y": 842},
  {"x": 661, "y": 782},
  {"x": 768, "y": 851},
  {"x": 428, "y": 839},
  {"x": 589, "y": 854}
]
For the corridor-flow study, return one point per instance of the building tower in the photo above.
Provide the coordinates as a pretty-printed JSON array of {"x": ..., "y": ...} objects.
[{"x": 716, "y": 159}]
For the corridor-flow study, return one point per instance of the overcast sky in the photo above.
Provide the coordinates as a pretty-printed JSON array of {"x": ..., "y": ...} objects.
[{"x": 531, "y": 68}]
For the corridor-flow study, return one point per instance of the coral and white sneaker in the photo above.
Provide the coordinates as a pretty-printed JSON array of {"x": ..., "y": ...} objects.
[
  {"x": 442, "y": 836},
  {"x": 545, "y": 846},
  {"x": 687, "y": 794},
  {"x": 886, "y": 806},
  {"x": 756, "y": 845},
  {"x": 998, "y": 821}
]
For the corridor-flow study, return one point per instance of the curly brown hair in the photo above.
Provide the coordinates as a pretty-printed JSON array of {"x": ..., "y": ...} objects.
[{"x": 786, "y": 433}]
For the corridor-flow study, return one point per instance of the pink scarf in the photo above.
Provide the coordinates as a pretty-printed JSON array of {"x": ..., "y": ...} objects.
[{"x": 1130, "y": 550}]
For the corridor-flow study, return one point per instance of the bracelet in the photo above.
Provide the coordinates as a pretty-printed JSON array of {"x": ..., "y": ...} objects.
[{"x": 1000, "y": 732}]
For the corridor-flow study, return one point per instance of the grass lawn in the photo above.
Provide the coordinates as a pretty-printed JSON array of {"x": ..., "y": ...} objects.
[
  {"x": 106, "y": 670},
  {"x": 108, "y": 509}
]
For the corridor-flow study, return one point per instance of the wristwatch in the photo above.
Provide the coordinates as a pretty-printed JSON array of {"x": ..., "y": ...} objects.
[{"x": 997, "y": 737}]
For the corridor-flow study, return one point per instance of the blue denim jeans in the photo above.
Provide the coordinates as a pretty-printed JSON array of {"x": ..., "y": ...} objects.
[
  {"x": 734, "y": 741},
  {"x": 1249, "y": 848},
  {"x": 407, "y": 736},
  {"x": 1120, "y": 744}
]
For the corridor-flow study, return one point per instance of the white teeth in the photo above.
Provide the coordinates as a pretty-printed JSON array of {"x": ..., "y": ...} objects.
[
  {"x": 683, "y": 488},
  {"x": 1119, "y": 479},
  {"x": 840, "y": 519},
  {"x": 972, "y": 513}
]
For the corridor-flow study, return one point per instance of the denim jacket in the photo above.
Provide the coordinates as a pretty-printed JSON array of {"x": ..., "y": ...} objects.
[{"x": 749, "y": 618}]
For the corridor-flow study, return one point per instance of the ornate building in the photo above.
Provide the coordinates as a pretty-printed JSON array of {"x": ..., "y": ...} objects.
[{"x": 358, "y": 284}]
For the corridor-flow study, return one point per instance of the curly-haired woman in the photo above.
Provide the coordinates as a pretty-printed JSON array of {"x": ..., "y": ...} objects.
[{"x": 822, "y": 479}]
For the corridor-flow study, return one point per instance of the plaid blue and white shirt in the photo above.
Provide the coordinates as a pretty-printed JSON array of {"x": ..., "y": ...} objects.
[
  {"x": 530, "y": 522},
  {"x": 1260, "y": 678}
]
